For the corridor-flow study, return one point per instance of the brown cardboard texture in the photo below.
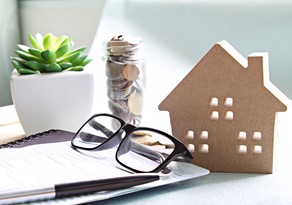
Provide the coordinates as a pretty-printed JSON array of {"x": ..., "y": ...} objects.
[{"x": 224, "y": 111}]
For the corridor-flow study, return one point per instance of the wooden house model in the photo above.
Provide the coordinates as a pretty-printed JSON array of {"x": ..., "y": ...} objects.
[{"x": 224, "y": 111}]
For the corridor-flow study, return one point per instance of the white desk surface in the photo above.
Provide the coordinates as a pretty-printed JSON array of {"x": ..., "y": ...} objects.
[{"x": 165, "y": 68}]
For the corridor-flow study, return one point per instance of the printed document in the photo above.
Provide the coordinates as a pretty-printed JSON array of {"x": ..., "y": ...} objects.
[{"x": 55, "y": 163}]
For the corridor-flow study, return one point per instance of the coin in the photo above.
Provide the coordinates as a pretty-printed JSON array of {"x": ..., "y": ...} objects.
[
  {"x": 135, "y": 103},
  {"x": 114, "y": 70},
  {"x": 124, "y": 72},
  {"x": 118, "y": 84},
  {"x": 131, "y": 72},
  {"x": 117, "y": 92},
  {"x": 116, "y": 41}
]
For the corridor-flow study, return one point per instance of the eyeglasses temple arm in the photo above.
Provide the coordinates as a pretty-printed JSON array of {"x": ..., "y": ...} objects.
[
  {"x": 87, "y": 137},
  {"x": 155, "y": 156},
  {"x": 100, "y": 127}
]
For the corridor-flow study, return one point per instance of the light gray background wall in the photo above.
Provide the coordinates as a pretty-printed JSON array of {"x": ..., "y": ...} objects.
[
  {"x": 76, "y": 18},
  {"x": 9, "y": 37},
  {"x": 190, "y": 27}
]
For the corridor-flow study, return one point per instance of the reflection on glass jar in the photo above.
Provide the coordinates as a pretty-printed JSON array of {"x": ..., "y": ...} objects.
[{"x": 124, "y": 68}]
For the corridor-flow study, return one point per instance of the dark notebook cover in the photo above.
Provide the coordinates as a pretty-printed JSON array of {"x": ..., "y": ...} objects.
[{"x": 49, "y": 136}]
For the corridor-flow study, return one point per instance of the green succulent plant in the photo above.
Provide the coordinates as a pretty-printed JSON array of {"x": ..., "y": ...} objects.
[{"x": 49, "y": 54}]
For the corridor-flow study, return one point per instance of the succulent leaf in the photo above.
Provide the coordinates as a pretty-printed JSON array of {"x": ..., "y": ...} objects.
[
  {"x": 65, "y": 65},
  {"x": 19, "y": 60},
  {"x": 35, "y": 65},
  {"x": 39, "y": 38},
  {"x": 85, "y": 62},
  {"x": 34, "y": 42},
  {"x": 70, "y": 58},
  {"x": 48, "y": 56},
  {"x": 35, "y": 52},
  {"x": 26, "y": 56},
  {"x": 53, "y": 68},
  {"x": 79, "y": 60},
  {"x": 62, "y": 51},
  {"x": 49, "y": 42},
  {"x": 76, "y": 68},
  {"x": 23, "y": 47},
  {"x": 21, "y": 69},
  {"x": 17, "y": 65},
  {"x": 25, "y": 71},
  {"x": 59, "y": 41},
  {"x": 68, "y": 41},
  {"x": 82, "y": 49}
]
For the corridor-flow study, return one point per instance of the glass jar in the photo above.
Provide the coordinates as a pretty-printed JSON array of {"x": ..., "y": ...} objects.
[{"x": 125, "y": 72}]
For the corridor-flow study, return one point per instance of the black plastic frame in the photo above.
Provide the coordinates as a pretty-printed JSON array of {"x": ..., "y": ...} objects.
[{"x": 116, "y": 139}]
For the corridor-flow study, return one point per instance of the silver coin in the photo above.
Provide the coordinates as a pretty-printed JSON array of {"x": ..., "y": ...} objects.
[
  {"x": 135, "y": 103},
  {"x": 119, "y": 94},
  {"x": 114, "y": 71},
  {"x": 118, "y": 84},
  {"x": 125, "y": 76}
]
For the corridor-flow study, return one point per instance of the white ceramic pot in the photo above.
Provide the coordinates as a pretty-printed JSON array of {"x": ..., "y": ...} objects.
[{"x": 52, "y": 101}]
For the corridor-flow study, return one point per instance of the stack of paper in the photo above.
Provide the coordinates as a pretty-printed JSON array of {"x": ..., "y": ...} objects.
[{"x": 48, "y": 164}]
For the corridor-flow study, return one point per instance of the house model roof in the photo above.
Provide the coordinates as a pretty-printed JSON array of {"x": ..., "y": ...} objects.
[{"x": 224, "y": 111}]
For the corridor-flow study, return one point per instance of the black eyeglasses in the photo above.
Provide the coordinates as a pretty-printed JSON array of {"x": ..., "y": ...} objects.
[{"x": 140, "y": 149}]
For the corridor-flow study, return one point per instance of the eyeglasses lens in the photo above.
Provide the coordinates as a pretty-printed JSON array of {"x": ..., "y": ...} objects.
[
  {"x": 144, "y": 150},
  {"x": 96, "y": 131}
]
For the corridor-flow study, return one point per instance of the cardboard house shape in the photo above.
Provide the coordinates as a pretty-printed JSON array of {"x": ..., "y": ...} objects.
[{"x": 224, "y": 111}]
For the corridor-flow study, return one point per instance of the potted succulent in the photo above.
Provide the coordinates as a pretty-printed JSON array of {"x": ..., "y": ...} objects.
[{"x": 47, "y": 87}]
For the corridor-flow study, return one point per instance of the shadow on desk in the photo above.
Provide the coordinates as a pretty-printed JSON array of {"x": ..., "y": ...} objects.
[{"x": 215, "y": 188}]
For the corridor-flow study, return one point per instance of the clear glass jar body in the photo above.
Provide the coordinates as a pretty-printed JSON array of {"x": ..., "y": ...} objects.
[{"x": 125, "y": 72}]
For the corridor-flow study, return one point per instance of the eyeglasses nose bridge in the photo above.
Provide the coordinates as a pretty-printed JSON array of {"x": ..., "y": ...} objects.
[{"x": 128, "y": 128}]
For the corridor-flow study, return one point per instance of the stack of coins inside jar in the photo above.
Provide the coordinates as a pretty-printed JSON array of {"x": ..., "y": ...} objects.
[{"x": 125, "y": 66}]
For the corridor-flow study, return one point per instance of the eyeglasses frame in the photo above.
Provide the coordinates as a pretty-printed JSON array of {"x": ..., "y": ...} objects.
[{"x": 116, "y": 139}]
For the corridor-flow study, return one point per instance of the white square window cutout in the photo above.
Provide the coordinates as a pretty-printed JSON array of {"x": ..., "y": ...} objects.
[
  {"x": 215, "y": 115},
  {"x": 241, "y": 135},
  {"x": 204, "y": 135},
  {"x": 191, "y": 148},
  {"x": 204, "y": 148},
  {"x": 228, "y": 102},
  {"x": 257, "y": 149},
  {"x": 214, "y": 102},
  {"x": 257, "y": 136},
  {"x": 242, "y": 149},
  {"x": 190, "y": 135},
  {"x": 229, "y": 115}
]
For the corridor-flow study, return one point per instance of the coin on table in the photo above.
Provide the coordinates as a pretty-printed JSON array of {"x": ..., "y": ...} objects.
[
  {"x": 135, "y": 103},
  {"x": 144, "y": 139},
  {"x": 131, "y": 72}
]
